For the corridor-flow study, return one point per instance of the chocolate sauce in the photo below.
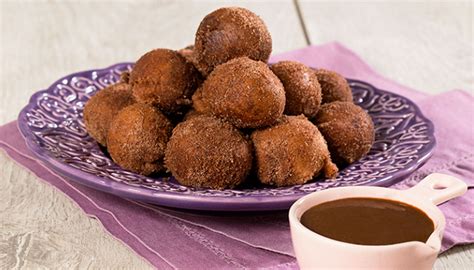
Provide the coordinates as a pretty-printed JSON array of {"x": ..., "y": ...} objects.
[{"x": 368, "y": 221}]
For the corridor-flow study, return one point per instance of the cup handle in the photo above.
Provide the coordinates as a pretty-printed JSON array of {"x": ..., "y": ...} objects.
[{"x": 438, "y": 188}]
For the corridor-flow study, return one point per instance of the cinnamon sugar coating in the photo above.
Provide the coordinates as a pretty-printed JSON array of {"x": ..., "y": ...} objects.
[
  {"x": 291, "y": 153},
  {"x": 302, "y": 89},
  {"x": 228, "y": 33},
  {"x": 348, "y": 130},
  {"x": 165, "y": 79},
  {"x": 137, "y": 138},
  {"x": 334, "y": 87},
  {"x": 208, "y": 152},
  {"x": 242, "y": 91},
  {"x": 101, "y": 108}
]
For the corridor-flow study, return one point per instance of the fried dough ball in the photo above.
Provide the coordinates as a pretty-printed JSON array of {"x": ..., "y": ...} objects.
[
  {"x": 208, "y": 152},
  {"x": 333, "y": 86},
  {"x": 102, "y": 108},
  {"x": 165, "y": 79},
  {"x": 302, "y": 89},
  {"x": 228, "y": 33},
  {"x": 137, "y": 138},
  {"x": 244, "y": 92},
  {"x": 348, "y": 130},
  {"x": 291, "y": 153}
]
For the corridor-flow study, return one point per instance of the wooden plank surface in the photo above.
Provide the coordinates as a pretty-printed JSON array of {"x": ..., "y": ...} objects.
[
  {"x": 422, "y": 44},
  {"x": 41, "y": 41}
]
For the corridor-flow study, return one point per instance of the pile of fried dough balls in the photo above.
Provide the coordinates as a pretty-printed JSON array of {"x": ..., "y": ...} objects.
[{"x": 213, "y": 113}]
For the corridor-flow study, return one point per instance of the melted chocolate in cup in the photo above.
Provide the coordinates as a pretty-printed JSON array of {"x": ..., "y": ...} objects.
[{"x": 368, "y": 221}]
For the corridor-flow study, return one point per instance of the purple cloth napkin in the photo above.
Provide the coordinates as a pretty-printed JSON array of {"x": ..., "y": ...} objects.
[{"x": 170, "y": 238}]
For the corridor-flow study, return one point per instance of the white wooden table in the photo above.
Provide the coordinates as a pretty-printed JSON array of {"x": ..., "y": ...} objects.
[{"x": 427, "y": 46}]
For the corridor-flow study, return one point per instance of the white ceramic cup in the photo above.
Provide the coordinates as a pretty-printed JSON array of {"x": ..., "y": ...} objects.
[{"x": 314, "y": 251}]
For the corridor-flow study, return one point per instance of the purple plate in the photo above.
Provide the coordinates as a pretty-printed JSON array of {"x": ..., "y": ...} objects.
[{"x": 53, "y": 129}]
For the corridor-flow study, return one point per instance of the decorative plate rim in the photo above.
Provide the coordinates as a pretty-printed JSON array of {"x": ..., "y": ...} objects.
[{"x": 190, "y": 200}]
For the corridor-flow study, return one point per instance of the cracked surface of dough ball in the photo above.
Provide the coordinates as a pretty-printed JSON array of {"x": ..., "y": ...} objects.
[
  {"x": 348, "y": 130},
  {"x": 137, "y": 138},
  {"x": 291, "y": 153},
  {"x": 228, "y": 33},
  {"x": 242, "y": 91},
  {"x": 334, "y": 87},
  {"x": 207, "y": 152},
  {"x": 102, "y": 107},
  {"x": 165, "y": 79},
  {"x": 302, "y": 89}
]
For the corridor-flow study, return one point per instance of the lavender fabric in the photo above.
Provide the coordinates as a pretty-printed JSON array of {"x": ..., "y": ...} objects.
[{"x": 170, "y": 238}]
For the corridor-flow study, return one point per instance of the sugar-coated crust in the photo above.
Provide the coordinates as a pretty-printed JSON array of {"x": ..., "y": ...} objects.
[
  {"x": 101, "y": 108},
  {"x": 208, "y": 152},
  {"x": 334, "y": 87},
  {"x": 228, "y": 33},
  {"x": 348, "y": 130},
  {"x": 242, "y": 91},
  {"x": 302, "y": 89},
  {"x": 137, "y": 138},
  {"x": 165, "y": 79},
  {"x": 291, "y": 153}
]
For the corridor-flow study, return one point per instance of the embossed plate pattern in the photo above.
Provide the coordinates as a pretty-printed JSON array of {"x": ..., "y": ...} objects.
[{"x": 53, "y": 129}]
